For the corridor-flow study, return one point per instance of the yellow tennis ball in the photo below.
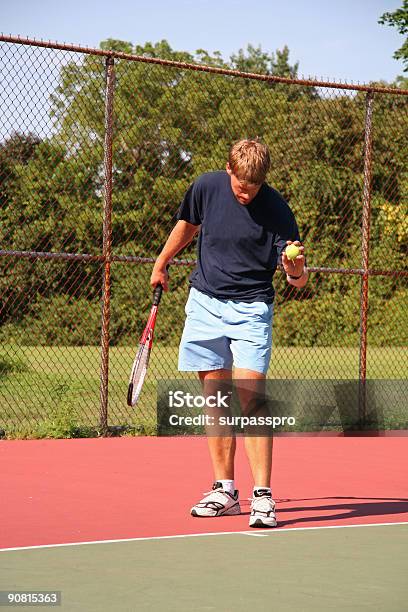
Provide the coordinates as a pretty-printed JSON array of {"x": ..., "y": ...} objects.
[{"x": 292, "y": 251}]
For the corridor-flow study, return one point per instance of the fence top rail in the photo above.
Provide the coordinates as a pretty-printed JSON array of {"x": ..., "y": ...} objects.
[
  {"x": 133, "y": 259},
  {"x": 199, "y": 67}
]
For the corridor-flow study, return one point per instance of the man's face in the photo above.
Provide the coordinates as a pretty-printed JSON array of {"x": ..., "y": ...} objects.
[{"x": 243, "y": 191}]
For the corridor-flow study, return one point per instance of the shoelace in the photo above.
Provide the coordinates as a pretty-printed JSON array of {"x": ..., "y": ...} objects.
[
  {"x": 262, "y": 506},
  {"x": 215, "y": 491}
]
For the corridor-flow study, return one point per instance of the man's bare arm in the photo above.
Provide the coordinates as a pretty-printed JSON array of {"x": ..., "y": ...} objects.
[{"x": 181, "y": 235}]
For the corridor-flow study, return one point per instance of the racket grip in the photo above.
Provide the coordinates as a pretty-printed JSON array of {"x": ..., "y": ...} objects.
[{"x": 157, "y": 293}]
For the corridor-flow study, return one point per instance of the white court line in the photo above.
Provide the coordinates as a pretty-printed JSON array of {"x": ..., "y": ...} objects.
[{"x": 269, "y": 531}]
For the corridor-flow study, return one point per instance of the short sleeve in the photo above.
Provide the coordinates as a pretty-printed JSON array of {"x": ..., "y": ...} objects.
[
  {"x": 288, "y": 231},
  {"x": 191, "y": 208}
]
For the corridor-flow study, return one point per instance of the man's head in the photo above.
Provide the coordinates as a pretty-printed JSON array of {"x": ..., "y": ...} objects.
[{"x": 248, "y": 165}]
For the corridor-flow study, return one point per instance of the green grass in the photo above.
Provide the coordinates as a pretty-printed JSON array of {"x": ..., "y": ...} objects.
[{"x": 53, "y": 391}]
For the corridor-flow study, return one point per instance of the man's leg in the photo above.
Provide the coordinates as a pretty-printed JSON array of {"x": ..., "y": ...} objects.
[
  {"x": 258, "y": 449},
  {"x": 222, "y": 448},
  {"x": 223, "y": 499},
  {"x": 204, "y": 348}
]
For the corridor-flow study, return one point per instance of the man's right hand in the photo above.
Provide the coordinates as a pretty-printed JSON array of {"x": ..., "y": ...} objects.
[
  {"x": 160, "y": 277},
  {"x": 181, "y": 235}
]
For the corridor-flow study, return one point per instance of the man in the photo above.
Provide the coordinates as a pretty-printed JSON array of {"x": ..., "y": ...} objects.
[{"x": 244, "y": 227}]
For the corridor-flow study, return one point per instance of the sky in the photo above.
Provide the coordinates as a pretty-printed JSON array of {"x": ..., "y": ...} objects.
[{"x": 331, "y": 39}]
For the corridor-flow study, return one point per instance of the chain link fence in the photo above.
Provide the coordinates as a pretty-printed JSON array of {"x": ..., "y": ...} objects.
[{"x": 96, "y": 151}]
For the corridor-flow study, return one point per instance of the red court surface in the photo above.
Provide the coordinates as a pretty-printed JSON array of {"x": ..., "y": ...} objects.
[{"x": 64, "y": 491}]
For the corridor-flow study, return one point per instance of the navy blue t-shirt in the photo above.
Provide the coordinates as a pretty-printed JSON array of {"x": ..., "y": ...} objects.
[{"x": 239, "y": 245}]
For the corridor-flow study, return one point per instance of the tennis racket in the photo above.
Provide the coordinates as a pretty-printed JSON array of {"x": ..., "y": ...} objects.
[{"x": 141, "y": 361}]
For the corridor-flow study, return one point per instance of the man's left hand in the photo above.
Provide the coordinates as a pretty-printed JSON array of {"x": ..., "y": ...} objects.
[{"x": 294, "y": 267}]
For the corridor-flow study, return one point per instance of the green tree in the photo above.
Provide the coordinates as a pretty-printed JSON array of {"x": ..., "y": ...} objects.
[
  {"x": 399, "y": 19},
  {"x": 15, "y": 153},
  {"x": 15, "y": 150}
]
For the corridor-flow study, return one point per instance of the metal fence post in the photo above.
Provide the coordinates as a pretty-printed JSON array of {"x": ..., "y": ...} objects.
[
  {"x": 107, "y": 243},
  {"x": 365, "y": 252}
]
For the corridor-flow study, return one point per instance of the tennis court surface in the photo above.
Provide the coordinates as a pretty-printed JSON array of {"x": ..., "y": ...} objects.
[{"x": 106, "y": 522}]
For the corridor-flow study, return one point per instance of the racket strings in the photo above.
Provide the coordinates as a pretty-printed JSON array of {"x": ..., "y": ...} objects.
[{"x": 139, "y": 372}]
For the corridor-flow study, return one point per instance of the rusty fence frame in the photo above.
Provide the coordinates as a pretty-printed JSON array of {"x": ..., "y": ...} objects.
[{"x": 107, "y": 257}]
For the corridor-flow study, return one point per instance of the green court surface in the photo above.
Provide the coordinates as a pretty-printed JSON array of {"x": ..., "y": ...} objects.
[{"x": 346, "y": 568}]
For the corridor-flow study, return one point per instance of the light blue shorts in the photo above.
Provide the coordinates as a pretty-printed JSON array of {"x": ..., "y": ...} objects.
[{"x": 221, "y": 333}]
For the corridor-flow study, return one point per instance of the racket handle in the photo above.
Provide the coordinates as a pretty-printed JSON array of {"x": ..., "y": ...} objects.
[{"x": 157, "y": 293}]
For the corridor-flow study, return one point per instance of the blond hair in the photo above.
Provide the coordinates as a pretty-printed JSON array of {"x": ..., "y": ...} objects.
[{"x": 249, "y": 160}]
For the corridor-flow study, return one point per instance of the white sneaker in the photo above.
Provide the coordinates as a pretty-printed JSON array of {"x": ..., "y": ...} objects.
[
  {"x": 217, "y": 502},
  {"x": 262, "y": 510}
]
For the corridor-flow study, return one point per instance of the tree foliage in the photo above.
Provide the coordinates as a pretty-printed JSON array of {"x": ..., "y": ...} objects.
[
  {"x": 399, "y": 19},
  {"x": 170, "y": 125}
]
